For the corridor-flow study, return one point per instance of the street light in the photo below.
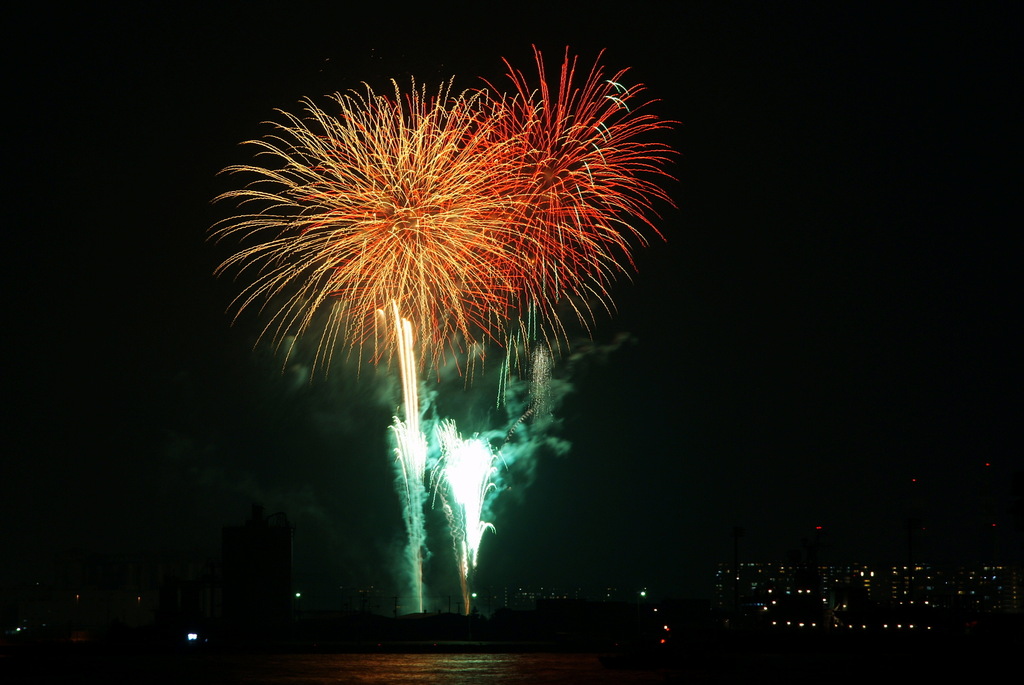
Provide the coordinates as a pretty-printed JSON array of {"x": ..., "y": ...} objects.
[{"x": 640, "y": 595}]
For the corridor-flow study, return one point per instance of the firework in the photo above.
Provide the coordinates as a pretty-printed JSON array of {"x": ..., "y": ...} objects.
[
  {"x": 586, "y": 184},
  {"x": 463, "y": 210},
  {"x": 424, "y": 225},
  {"x": 387, "y": 202},
  {"x": 465, "y": 474},
  {"x": 410, "y": 458}
]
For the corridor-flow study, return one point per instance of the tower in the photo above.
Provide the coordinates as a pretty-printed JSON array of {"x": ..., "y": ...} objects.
[{"x": 257, "y": 572}]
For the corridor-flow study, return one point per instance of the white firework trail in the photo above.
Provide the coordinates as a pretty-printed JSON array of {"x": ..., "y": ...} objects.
[
  {"x": 411, "y": 458},
  {"x": 465, "y": 476}
]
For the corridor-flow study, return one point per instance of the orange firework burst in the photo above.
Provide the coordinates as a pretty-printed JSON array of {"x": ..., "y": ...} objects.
[
  {"x": 385, "y": 203},
  {"x": 587, "y": 182}
]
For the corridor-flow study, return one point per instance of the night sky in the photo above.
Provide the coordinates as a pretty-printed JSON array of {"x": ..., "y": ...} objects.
[{"x": 832, "y": 315}]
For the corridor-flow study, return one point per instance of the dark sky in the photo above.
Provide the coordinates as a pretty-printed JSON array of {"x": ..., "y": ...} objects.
[{"x": 832, "y": 315}]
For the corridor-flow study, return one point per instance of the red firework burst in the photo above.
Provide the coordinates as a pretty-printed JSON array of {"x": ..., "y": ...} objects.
[{"x": 588, "y": 172}]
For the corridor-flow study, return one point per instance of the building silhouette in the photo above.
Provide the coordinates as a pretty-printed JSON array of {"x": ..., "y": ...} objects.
[{"x": 257, "y": 573}]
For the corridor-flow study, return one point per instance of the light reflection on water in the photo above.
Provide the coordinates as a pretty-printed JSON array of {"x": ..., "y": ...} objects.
[{"x": 436, "y": 669}]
